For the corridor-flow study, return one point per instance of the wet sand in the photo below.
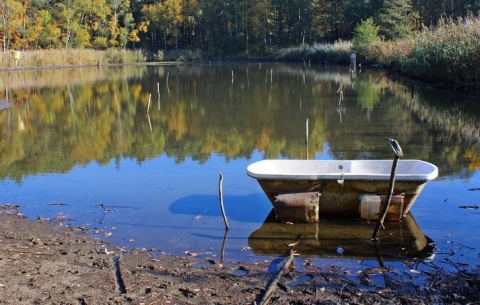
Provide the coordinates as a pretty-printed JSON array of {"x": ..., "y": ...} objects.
[{"x": 45, "y": 262}]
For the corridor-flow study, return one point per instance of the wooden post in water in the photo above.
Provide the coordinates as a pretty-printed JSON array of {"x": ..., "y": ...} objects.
[
  {"x": 398, "y": 154},
  {"x": 353, "y": 61}
]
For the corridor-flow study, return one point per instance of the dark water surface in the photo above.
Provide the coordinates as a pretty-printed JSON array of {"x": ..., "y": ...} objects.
[{"x": 136, "y": 152}]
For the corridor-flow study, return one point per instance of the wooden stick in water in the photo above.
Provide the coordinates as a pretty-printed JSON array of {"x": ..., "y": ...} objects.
[
  {"x": 224, "y": 245},
  {"x": 398, "y": 153},
  {"x": 220, "y": 183}
]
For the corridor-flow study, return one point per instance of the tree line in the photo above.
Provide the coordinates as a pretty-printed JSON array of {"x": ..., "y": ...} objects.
[{"x": 254, "y": 27}]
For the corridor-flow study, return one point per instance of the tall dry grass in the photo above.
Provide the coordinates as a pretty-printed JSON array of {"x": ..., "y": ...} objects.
[
  {"x": 338, "y": 53},
  {"x": 70, "y": 57}
]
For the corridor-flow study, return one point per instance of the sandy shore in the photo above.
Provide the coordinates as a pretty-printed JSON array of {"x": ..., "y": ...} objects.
[{"x": 43, "y": 262}]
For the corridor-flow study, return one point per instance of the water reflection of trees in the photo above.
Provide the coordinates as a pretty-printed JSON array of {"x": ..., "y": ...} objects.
[
  {"x": 444, "y": 130},
  {"x": 454, "y": 121},
  {"x": 63, "y": 120}
]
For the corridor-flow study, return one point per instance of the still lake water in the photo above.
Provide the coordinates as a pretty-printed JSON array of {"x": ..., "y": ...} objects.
[{"x": 136, "y": 152}]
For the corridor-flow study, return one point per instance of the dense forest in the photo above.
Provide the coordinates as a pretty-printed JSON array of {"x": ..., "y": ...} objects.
[{"x": 254, "y": 27}]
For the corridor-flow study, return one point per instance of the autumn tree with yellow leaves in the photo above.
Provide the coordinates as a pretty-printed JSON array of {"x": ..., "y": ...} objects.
[{"x": 254, "y": 27}]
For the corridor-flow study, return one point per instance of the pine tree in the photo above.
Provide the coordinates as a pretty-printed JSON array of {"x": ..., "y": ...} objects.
[{"x": 396, "y": 18}]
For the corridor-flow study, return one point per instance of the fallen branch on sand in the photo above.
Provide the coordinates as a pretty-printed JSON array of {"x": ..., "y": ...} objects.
[{"x": 273, "y": 284}]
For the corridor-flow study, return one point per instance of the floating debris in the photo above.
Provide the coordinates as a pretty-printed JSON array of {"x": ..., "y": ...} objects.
[
  {"x": 58, "y": 204},
  {"x": 109, "y": 252},
  {"x": 469, "y": 207}
]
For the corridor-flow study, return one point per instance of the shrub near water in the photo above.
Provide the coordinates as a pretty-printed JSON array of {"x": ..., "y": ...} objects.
[{"x": 365, "y": 38}]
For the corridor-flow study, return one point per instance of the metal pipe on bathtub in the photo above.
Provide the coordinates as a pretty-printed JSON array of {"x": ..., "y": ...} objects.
[{"x": 398, "y": 153}]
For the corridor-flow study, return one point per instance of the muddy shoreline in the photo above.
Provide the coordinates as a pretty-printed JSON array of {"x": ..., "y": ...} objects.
[{"x": 45, "y": 262}]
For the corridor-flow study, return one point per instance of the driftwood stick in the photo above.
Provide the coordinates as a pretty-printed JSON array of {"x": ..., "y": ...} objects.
[
  {"x": 398, "y": 153},
  {"x": 220, "y": 183},
  {"x": 273, "y": 284},
  {"x": 462, "y": 273}
]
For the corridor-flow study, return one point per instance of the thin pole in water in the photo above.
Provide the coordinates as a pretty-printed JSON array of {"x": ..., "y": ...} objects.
[
  {"x": 168, "y": 87},
  {"x": 306, "y": 131},
  {"x": 340, "y": 90},
  {"x": 397, "y": 155},
  {"x": 149, "y": 102},
  {"x": 158, "y": 92}
]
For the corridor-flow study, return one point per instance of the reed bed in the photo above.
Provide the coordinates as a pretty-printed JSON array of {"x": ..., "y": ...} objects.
[{"x": 450, "y": 54}]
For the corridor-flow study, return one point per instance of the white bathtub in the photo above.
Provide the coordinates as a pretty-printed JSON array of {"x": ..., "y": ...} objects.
[{"x": 341, "y": 182}]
